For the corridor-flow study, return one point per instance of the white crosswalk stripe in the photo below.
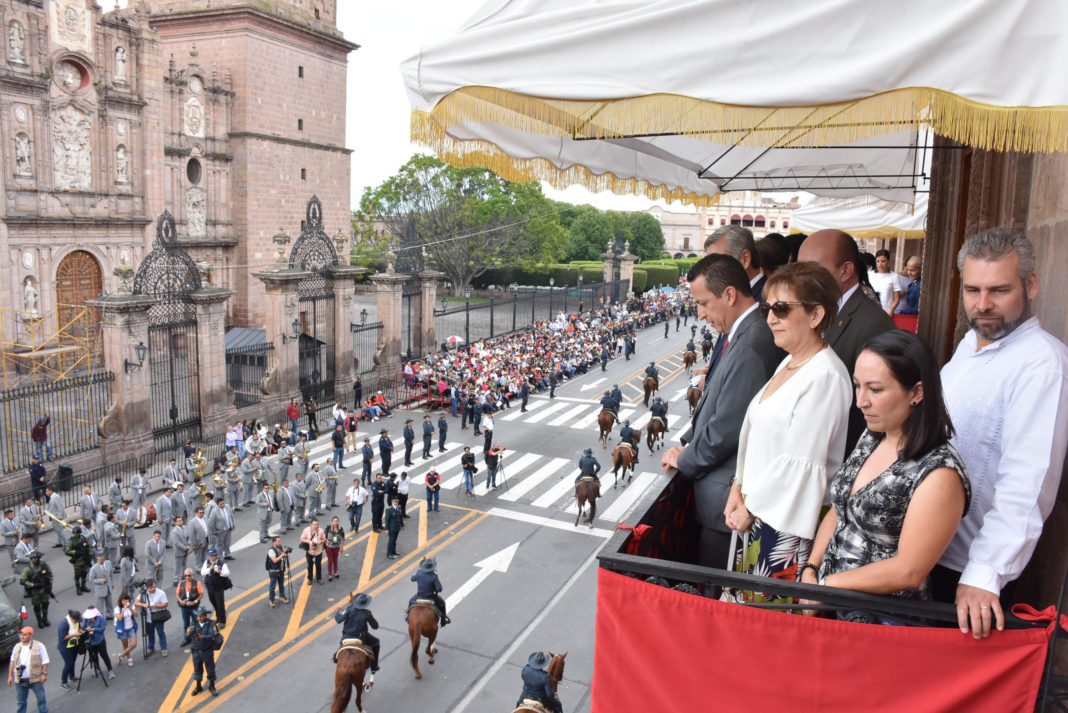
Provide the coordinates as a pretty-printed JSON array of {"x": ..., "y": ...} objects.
[
  {"x": 532, "y": 481},
  {"x": 571, "y": 413},
  {"x": 618, "y": 508},
  {"x": 531, "y": 405},
  {"x": 639, "y": 423},
  {"x": 557, "y": 491},
  {"x": 546, "y": 412},
  {"x": 589, "y": 420},
  {"x": 678, "y": 396},
  {"x": 517, "y": 464}
]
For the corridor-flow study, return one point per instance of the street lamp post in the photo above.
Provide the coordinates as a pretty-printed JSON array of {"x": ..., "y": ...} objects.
[
  {"x": 551, "y": 283},
  {"x": 467, "y": 316}
]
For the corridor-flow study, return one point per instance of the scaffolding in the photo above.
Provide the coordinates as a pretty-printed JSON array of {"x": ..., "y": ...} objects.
[{"x": 48, "y": 362}]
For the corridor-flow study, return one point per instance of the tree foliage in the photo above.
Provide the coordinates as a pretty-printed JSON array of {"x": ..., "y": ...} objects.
[
  {"x": 466, "y": 219},
  {"x": 647, "y": 237},
  {"x": 591, "y": 234}
]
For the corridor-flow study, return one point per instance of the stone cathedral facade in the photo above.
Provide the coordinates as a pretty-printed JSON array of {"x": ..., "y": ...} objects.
[{"x": 229, "y": 114}]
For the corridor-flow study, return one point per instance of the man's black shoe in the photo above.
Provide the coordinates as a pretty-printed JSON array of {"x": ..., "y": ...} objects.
[
  {"x": 198, "y": 690},
  {"x": 212, "y": 691}
]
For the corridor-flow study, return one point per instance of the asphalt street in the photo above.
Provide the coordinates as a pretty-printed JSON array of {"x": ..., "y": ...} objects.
[{"x": 519, "y": 576}]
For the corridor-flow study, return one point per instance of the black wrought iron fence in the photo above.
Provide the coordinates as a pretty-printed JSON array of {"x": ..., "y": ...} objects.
[
  {"x": 365, "y": 341},
  {"x": 245, "y": 369},
  {"x": 73, "y": 407},
  {"x": 71, "y": 490}
]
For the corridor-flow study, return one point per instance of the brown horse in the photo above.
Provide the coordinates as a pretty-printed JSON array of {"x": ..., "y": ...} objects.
[
  {"x": 688, "y": 360},
  {"x": 706, "y": 347},
  {"x": 693, "y": 395},
  {"x": 422, "y": 621},
  {"x": 655, "y": 434},
  {"x": 555, "y": 669},
  {"x": 587, "y": 490},
  {"x": 622, "y": 457},
  {"x": 605, "y": 421},
  {"x": 351, "y": 666},
  {"x": 649, "y": 385}
]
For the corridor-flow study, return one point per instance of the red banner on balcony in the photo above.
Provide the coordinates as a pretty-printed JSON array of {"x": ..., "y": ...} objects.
[{"x": 662, "y": 650}]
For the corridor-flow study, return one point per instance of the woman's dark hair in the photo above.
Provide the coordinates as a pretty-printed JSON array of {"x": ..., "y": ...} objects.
[
  {"x": 882, "y": 253},
  {"x": 812, "y": 284},
  {"x": 868, "y": 259},
  {"x": 128, "y": 552},
  {"x": 74, "y": 614},
  {"x": 123, "y": 596},
  {"x": 911, "y": 361}
]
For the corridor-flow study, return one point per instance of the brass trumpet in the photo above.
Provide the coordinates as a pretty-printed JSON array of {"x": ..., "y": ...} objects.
[
  {"x": 62, "y": 523},
  {"x": 219, "y": 480},
  {"x": 202, "y": 489},
  {"x": 304, "y": 455},
  {"x": 320, "y": 487}
]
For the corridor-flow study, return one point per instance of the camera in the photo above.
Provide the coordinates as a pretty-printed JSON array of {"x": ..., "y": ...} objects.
[
  {"x": 19, "y": 670},
  {"x": 139, "y": 584},
  {"x": 287, "y": 550}
]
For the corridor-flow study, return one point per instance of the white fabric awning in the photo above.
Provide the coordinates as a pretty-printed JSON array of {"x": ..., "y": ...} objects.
[
  {"x": 863, "y": 217},
  {"x": 685, "y": 99}
]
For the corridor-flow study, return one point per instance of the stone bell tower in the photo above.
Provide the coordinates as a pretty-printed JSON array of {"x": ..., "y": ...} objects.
[{"x": 285, "y": 63}]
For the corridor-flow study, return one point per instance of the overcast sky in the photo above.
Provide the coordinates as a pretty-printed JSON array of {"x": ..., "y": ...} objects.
[{"x": 389, "y": 33}]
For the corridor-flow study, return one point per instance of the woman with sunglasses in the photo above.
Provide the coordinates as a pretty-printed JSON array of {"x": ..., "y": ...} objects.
[
  {"x": 794, "y": 430},
  {"x": 900, "y": 495}
]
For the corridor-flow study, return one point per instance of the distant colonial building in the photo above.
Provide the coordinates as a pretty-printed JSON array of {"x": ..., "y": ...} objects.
[{"x": 685, "y": 233}]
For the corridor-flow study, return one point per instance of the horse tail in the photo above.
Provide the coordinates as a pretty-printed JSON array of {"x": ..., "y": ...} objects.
[{"x": 342, "y": 687}]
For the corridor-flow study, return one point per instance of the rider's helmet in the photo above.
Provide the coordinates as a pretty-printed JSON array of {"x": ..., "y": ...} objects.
[{"x": 626, "y": 423}]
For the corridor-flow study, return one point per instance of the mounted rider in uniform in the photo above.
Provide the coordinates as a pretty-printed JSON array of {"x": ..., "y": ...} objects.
[
  {"x": 659, "y": 409},
  {"x": 428, "y": 585},
  {"x": 617, "y": 396},
  {"x": 630, "y": 437},
  {"x": 357, "y": 617},
  {"x": 610, "y": 404},
  {"x": 538, "y": 684},
  {"x": 652, "y": 371},
  {"x": 588, "y": 466},
  {"x": 690, "y": 346}
]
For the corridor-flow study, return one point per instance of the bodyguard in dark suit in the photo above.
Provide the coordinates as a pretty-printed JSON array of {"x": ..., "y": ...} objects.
[
  {"x": 749, "y": 360},
  {"x": 859, "y": 318},
  {"x": 443, "y": 429},
  {"x": 385, "y": 450},
  {"x": 428, "y": 435},
  {"x": 409, "y": 441}
]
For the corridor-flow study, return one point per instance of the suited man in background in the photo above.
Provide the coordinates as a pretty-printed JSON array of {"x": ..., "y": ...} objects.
[
  {"x": 100, "y": 577},
  {"x": 90, "y": 504},
  {"x": 221, "y": 524},
  {"x": 859, "y": 318},
  {"x": 155, "y": 551},
  {"x": 738, "y": 242},
  {"x": 54, "y": 504},
  {"x": 179, "y": 542},
  {"x": 171, "y": 476},
  {"x": 724, "y": 299},
  {"x": 285, "y": 507},
  {"x": 165, "y": 515}
]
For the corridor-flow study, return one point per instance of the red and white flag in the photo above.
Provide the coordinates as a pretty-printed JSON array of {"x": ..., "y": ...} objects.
[{"x": 22, "y": 612}]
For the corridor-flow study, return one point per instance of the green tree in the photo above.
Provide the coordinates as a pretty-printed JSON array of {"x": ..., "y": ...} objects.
[
  {"x": 647, "y": 238},
  {"x": 466, "y": 219},
  {"x": 591, "y": 234}
]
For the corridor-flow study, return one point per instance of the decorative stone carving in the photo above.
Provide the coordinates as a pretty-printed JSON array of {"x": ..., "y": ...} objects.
[
  {"x": 68, "y": 76},
  {"x": 120, "y": 64},
  {"x": 29, "y": 298},
  {"x": 204, "y": 268},
  {"x": 72, "y": 157},
  {"x": 28, "y": 259},
  {"x": 196, "y": 213},
  {"x": 71, "y": 25},
  {"x": 122, "y": 165},
  {"x": 16, "y": 43},
  {"x": 194, "y": 117},
  {"x": 124, "y": 256},
  {"x": 390, "y": 258},
  {"x": 125, "y": 274},
  {"x": 195, "y": 85},
  {"x": 281, "y": 239},
  {"x": 23, "y": 156},
  {"x": 120, "y": 128},
  {"x": 20, "y": 114}
]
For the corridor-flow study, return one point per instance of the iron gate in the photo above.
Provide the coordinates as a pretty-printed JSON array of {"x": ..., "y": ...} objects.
[
  {"x": 169, "y": 274},
  {"x": 314, "y": 252}
]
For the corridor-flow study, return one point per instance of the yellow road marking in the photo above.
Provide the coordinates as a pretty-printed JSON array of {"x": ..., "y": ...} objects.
[
  {"x": 421, "y": 527},
  {"x": 368, "y": 561},
  {"x": 663, "y": 380},
  {"x": 303, "y": 592},
  {"x": 185, "y": 676},
  {"x": 280, "y": 651}
]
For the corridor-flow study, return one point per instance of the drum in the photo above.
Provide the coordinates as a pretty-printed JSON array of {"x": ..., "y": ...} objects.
[{"x": 146, "y": 515}]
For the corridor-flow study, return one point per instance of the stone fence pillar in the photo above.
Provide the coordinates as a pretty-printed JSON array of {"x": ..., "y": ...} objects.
[
  {"x": 626, "y": 274},
  {"x": 216, "y": 397},
  {"x": 344, "y": 277},
  {"x": 281, "y": 308},
  {"x": 428, "y": 342},
  {"x": 123, "y": 326},
  {"x": 390, "y": 286}
]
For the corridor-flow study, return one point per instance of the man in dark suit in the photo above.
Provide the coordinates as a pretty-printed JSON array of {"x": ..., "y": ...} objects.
[
  {"x": 859, "y": 318},
  {"x": 724, "y": 298},
  {"x": 738, "y": 242}
]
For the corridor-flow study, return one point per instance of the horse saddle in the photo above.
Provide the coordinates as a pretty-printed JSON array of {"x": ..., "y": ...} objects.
[
  {"x": 587, "y": 479},
  {"x": 354, "y": 645},
  {"x": 608, "y": 410},
  {"x": 428, "y": 603},
  {"x": 530, "y": 704},
  {"x": 658, "y": 418}
]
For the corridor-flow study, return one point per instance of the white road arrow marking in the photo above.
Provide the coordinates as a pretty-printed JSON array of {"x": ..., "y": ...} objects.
[
  {"x": 494, "y": 563},
  {"x": 587, "y": 387}
]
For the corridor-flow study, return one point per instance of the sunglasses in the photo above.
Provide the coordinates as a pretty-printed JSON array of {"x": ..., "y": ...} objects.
[{"x": 781, "y": 308}]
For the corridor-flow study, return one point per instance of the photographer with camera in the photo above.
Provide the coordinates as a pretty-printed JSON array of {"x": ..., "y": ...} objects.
[
  {"x": 493, "y": 462},
  {"x": 126, "y": 628},
  {"x": 70, "y": 634},
  {"x": 206, "y": 640},
  {"x": 28, "y": 670},
  {"x": 96, "y": 626},
  {"x": 216, "y": 575},
  {"x": 277, "y": 563},
  {"x": 152, "y": 602}
]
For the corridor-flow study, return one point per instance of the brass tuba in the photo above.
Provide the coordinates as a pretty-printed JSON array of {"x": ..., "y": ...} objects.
[{"x": 199, "y": 464}]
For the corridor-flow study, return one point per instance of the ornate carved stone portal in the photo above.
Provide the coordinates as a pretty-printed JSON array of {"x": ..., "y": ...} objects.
[{"x": 196, "y": 212}]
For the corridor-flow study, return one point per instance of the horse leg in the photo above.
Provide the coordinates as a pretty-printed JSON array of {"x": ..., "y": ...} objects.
[
  {"x": 581, "y": 503},
  {"x": 593, "y": 511},
  {"x": 416, "y": 638},
  {"x": 431, "y": 636}
]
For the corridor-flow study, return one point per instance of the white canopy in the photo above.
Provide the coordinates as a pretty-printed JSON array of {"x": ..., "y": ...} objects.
[
  {"x": 685, "y": 99},
  {"x": 863, "y": 217}
]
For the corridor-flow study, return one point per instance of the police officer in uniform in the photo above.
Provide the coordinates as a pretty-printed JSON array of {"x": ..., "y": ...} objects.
[
  {"x": 652, "y": 371},
  {"x": 443, "y": 429},
  {"x": 608, "y": 403},
  {"x": 617, "y": 396},
  {"x": 538, "y": 684},
  {"x": 524, "y": 393},
  {"x": 357, "y": 617},
  {"x": 409, "y": 441},
  {"x": 659, "y": 409},
  {"x": 588, "y": 466},
  {"x": 385, "y": 449},
  {"x": 368, "y": 458},
  {"x": 428, "y": 586},
  {"x": 378, "y": 502},
  {"x": 203, "y": 634},
  {"x": 428, "y": 435},
  {"x": 631, "y": 437}
]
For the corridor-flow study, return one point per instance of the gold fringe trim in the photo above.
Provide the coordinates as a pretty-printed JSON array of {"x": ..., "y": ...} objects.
[
  {"x": 884, "y": 231},
  {"x": 983, "y": 126},
  {"x": 484, "y": 154}
]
